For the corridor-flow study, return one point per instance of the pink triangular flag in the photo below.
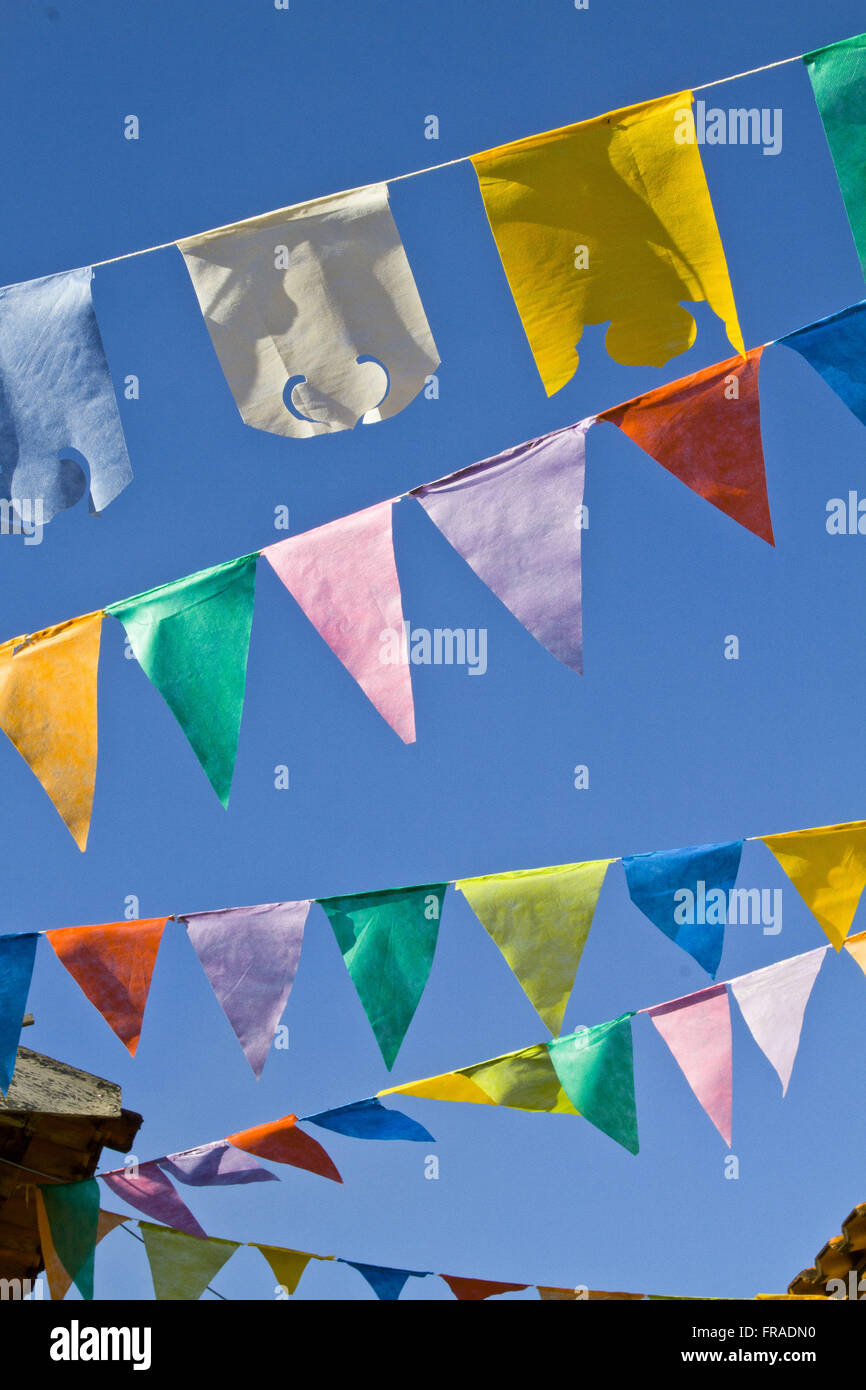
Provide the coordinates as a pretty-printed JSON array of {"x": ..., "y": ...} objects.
[
  {"x": 773, "y": 1001},
  {"x": 250, "y": 955},
  {"x": 344, "y": 576},
  {"x": 697, "y": 1029},
  {"x": 516, "y": 519}
]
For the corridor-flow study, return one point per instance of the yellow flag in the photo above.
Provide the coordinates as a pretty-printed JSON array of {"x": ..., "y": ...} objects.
[
  {"x": 857, "y": 946},
  {"x": 609, "y": 220},
  {"x": 540, "y": 920},
  {"x": 48, "y": 710},
  {"x": 288, "y": 1265},
  {"x": 524, "y": 1080},
  {"x": 827, "y": 866}
]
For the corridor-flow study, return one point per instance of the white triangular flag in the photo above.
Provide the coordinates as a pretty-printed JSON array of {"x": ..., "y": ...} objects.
[{"x": 773, "y": 1001}]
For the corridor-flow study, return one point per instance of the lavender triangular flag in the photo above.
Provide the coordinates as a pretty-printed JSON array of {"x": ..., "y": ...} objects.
[
  {"x": 250, "y": 956},
  {"x": 516, "y": 519},
  {"x": 218, "y": 1164},
  {"x": 773, "y": 1001}
]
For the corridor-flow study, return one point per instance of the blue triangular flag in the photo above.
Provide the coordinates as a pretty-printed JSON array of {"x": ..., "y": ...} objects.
[
  {"x": 685, "y": 893},
  {"x": 836, "y": 348},
  {"x": 370, "y": 1119},
  {"x": 17, "y": 954},
  {"x": 387, "y": 1284}
]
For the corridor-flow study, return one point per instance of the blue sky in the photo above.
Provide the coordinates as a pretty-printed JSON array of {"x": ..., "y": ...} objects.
[{"x": 242, "y": 109}]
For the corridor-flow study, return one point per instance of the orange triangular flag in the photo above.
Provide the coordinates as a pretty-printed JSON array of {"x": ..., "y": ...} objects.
[
  {"x": 113, "y": 965},
  {"x": 474, "y": 1290},
  {"x": 55, "y": 1273},
  {"x": 706, "y": 430},
  {"x": 857, "y": 946},
  {"x": 48, "y": 710}
]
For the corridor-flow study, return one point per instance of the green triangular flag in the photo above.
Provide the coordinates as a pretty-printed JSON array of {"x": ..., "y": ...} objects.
[
  {"x": 596, "y": 1069},
  {"x": 540, "y": 919},
  {"x": 192, "y": 638},
  {"x": 72, "y": 1209},
  {"x": 182, "y": 1266},
  {"x": 387, "y": 940},
  {"x": 838, "y": 77}
]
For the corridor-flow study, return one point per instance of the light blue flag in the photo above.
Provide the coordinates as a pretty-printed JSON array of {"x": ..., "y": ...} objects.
[
  {"x": 56, "y": 399},
  {"x": 836, "y": 348},
  {"x": 685, "y": 893},
  {"x": 369, "y": 1119},
  {"x": 17, "y": 954},
  {"x": 387, "y": 1284}
]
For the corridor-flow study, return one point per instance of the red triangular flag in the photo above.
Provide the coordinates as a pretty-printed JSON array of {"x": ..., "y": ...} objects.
[
  {"x": 706, "y": 430},
  {"x": 282, "y": 1142},
  {"x": 476, "y": 1289},
  {"x": 113, "y": 965}
]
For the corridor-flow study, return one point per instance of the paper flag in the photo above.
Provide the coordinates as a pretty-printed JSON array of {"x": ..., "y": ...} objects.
[
  {"x": 706, "y": 430},
  {"x": 344, "y": 576},
  {"x": 314, "y": 314},
  {"x": 113, "y": 965},
  {"x": 540, "y": 920},
  {"x": 685, "y": 893},
  {"x": 474, "y": 1290},
  {"x": 192, "y": 637},
  {"x": 522, "y": 1080},
  {"x": 369, "y": 1119},
  {"x": 215, "y": 1165},
  {"x": 596, "y": 1069},
  {"x": 516, "y": 520},
  {"x": 837, "y": 75},
  {"x": 609, "y": 220},
  {"x": 250, "y": 956},
  {"x": 17, "y": 954},
  {"x": 282, "y": 1142},
  {"x": 553, "y": 1295},
  {"x": 56, "y": 398},
  {"x": 836, "y": 348},
  {"x": 287, "y": 1265},
  {"x": 148, "y": 1189},
  {"x": 181, "y": 1266},
  {"x": 773, "y": 1001},
  {"x": 388, "y": 940},
  {"x": 55, "y": 1273},
  {"x": 72, "y": 1214},
  {"x": 48, "y": 710},
  {"x": 697, "y": 1029},
  {"x": 857, "y": 946},
  {"x": 387, "y": 1284},
  {"x": 827, "y": 866}
]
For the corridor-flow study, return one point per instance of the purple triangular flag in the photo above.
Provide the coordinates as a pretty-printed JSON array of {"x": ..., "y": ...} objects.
[
  {"x": 516, "y": 519},
  {"x": 218, "y": 1164},
  {"x": 250, "y": 955},
  {"x": 148, "y": 1189}
]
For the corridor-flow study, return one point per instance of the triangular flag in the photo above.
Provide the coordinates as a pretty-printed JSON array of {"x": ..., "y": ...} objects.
[
  {"x": 48, "y": 710},
  {"x": 386, "y": 1283},
  {"x": 838, "y": 77},
  {"x": 827, "y": 866},
  {"x": 706, "y": 430},
  {"x": 540, "y": 920},
  {"x": 697, "y": 1029},
  {"x": 55, "y": 1273},
  {"x": 282, "y": 1142},
  {"x": 773, "y": 1001},
  {"x": 516, "y": 520},
  {"x": 344, "y": 576},
  {"x": 857, "y": 946},
  {"x": 192, "y": 638},
  {"x": 215, "y": 1165},
  {"x": 72, "y": 1213},
  {"x": 369, "y": 1119},
  {"x": 17, "y": 954},
  {"x": 835, "y": 347},
  {"x": 474, "y": 1290},
  {"x": 113, "y": 965},
  {"x": 388, "y": 940},
  {"x": 148, "y": 1189},
  {"x": 596, "y": 1069},
  {"x": 250, "y": 955},
  {"x": 608, "y": 221},
  {"x": 684, "y": 892},
  {"x": 287, "y": 1265},
  {"x": 581, "y": 1294},
  {"x": 522, "y": 1080},
  {"x": 181, "y": 1266}
]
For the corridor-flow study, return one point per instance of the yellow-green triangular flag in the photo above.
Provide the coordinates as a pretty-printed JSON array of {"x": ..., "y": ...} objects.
[
  {"x": 182, "y": 1266},
  {"x": 827, "y": 866},
  {"x": 524, "y": 1080}
]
